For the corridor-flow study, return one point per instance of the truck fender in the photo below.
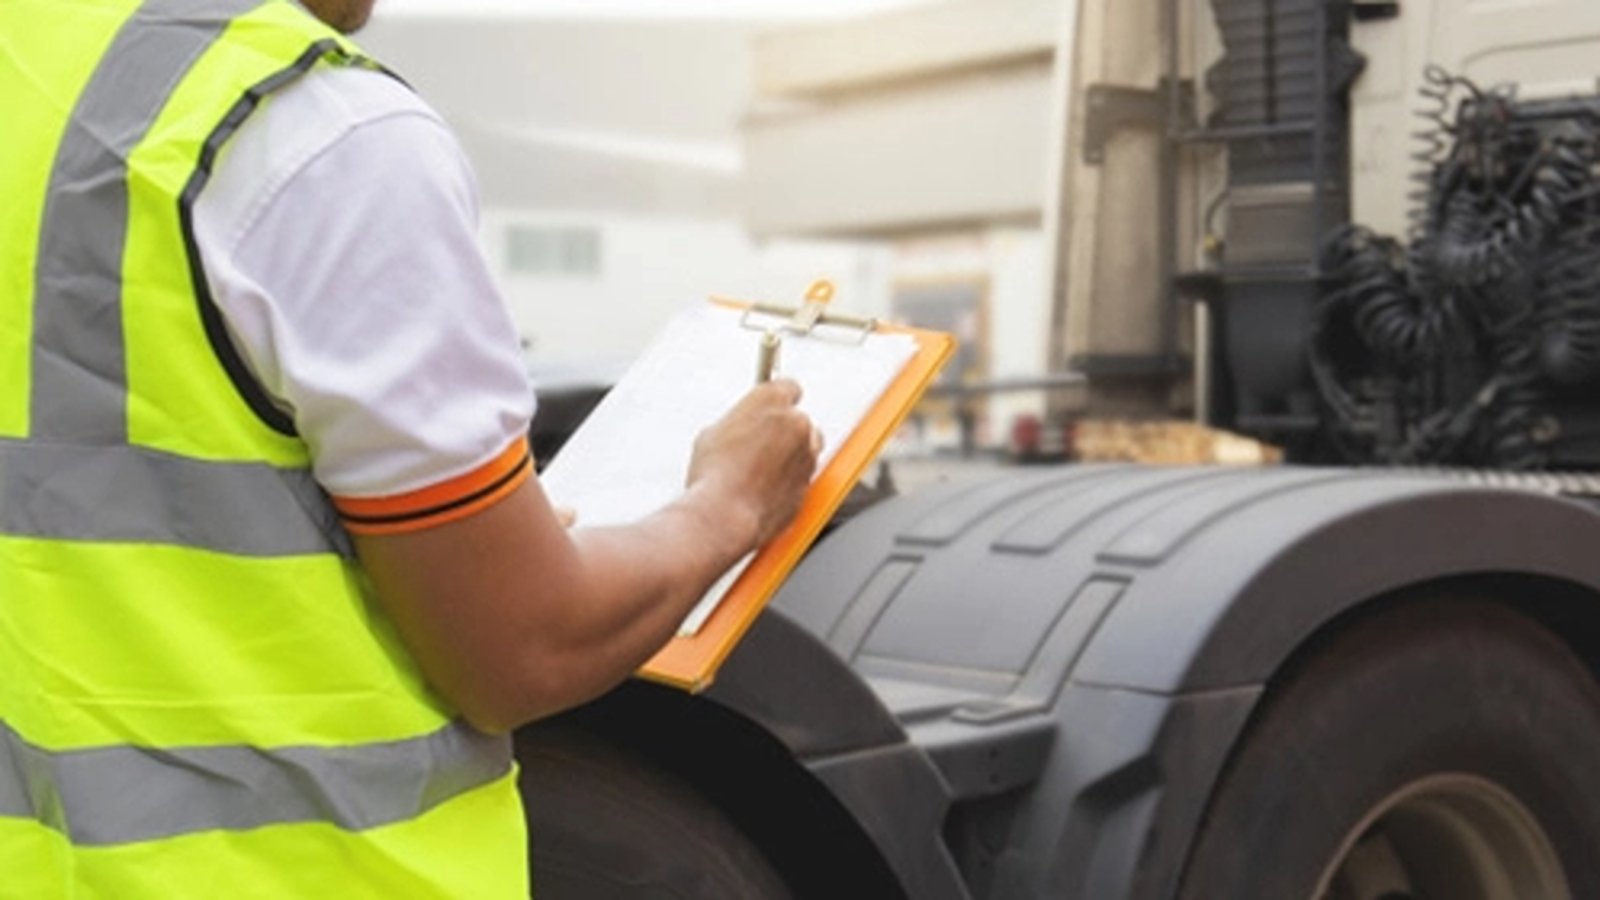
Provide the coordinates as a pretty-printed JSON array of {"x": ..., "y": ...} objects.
[{"x": 1133, "y": 616}]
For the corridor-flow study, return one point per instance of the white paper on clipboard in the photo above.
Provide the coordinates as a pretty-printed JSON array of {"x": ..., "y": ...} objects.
[{"x": 629, "y": 457}]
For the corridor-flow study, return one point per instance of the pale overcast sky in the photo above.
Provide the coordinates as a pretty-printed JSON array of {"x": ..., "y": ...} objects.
[{"x": 728, "y": 9}]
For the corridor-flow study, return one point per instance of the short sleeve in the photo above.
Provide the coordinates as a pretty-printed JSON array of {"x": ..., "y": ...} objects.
[{"x": 347, "y": 266}]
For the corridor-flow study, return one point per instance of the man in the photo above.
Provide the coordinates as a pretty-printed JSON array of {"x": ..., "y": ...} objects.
[{"x": 238, "y": 278}]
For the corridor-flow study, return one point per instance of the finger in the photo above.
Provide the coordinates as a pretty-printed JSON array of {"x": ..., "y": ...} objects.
[
  {"x": 567, "y": 516},
  {"x": 817, "y": 441},
  {"x": 786, "y": 389}
]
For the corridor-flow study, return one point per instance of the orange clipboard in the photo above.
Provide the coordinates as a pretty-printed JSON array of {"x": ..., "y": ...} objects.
[{"x": 691, "y": 662}]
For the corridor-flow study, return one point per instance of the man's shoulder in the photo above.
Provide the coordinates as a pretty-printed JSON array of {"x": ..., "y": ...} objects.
[
  {"x": 304, "y": 122},
  {"x": 306, "y": 117},
  {"x": 345, "y": 97}
]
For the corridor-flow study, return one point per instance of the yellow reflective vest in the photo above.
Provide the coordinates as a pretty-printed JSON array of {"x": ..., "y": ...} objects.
[{"x": 198, "y": 697}]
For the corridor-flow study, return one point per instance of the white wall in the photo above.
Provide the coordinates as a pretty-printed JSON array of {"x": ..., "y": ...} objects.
[
  {"x": 629, "y": 125},
  {"x": 625, "y": 124},
  {"x": 652, "y": 267},
  {"x": 1020, "y": 323}
]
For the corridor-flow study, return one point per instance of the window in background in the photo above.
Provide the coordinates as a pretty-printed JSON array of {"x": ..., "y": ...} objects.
[{"x": 552, "y": 251}]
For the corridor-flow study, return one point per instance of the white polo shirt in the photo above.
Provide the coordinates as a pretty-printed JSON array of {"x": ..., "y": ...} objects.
[{"x": 339, "y": 235}]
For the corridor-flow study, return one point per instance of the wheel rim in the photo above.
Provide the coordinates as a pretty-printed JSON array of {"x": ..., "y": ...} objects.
[{"x": 1456, "y": 836}]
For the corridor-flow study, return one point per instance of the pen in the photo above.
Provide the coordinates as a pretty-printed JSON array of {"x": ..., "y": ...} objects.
[{"x": 768, "y": 357}]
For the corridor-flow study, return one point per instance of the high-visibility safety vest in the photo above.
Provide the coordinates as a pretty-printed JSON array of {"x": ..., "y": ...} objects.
[{"x": 198, "y": 697}]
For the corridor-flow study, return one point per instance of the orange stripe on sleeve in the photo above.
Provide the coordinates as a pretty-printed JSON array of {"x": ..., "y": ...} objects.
[{"x": 438, "y": 504}]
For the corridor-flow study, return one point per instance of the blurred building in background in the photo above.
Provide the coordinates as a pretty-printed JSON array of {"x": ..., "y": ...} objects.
[
  {"x": 635, "y": 157},
  {"x": 929, "y": 128}
]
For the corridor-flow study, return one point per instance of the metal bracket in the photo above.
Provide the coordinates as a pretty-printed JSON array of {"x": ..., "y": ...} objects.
[
  {"x": 1374, "y": 10},
  {"x": 1131, "y": 366},
  {"x": 1115, "y": 107},
  {"x": 806, "y": 318}
]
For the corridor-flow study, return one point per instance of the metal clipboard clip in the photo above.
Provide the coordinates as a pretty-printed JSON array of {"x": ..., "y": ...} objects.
[{"x": 811, "y": 318}]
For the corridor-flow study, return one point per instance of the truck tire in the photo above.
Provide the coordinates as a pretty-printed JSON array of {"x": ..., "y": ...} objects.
[
  {"x": 1441, "y": 749},
  {"x": 606, "y": 824}
]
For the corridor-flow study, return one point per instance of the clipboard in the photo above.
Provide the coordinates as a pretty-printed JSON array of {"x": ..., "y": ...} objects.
[{"x": 690, "y": 661}]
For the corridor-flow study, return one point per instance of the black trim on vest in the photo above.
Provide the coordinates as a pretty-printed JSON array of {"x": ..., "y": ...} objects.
[{"x": 244, "y": 381}]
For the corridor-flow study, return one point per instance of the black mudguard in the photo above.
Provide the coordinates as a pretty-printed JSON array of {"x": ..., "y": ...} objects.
[{"x": 1026, "y": 686}]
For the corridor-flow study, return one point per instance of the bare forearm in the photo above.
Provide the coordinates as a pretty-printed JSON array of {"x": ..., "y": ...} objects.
[
  {"x": 512, "y": 617},
  {"x": 516, "y": 618},
  {"x": 641, "y": 581}
]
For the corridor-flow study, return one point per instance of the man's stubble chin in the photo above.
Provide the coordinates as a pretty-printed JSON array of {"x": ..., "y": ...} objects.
[{"x": 346, "y": 16}]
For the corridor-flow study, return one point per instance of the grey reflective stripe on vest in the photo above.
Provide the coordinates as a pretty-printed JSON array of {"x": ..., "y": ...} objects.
[
  {"x": 79, "y": 385},
  {"x": 131, "y": 494},
  {"x": 76, "y": 478},
  {"x": 121, "y": 795}
]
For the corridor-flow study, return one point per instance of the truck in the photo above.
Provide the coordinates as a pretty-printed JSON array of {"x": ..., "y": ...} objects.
[{"x": 1362, "y": 231}]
